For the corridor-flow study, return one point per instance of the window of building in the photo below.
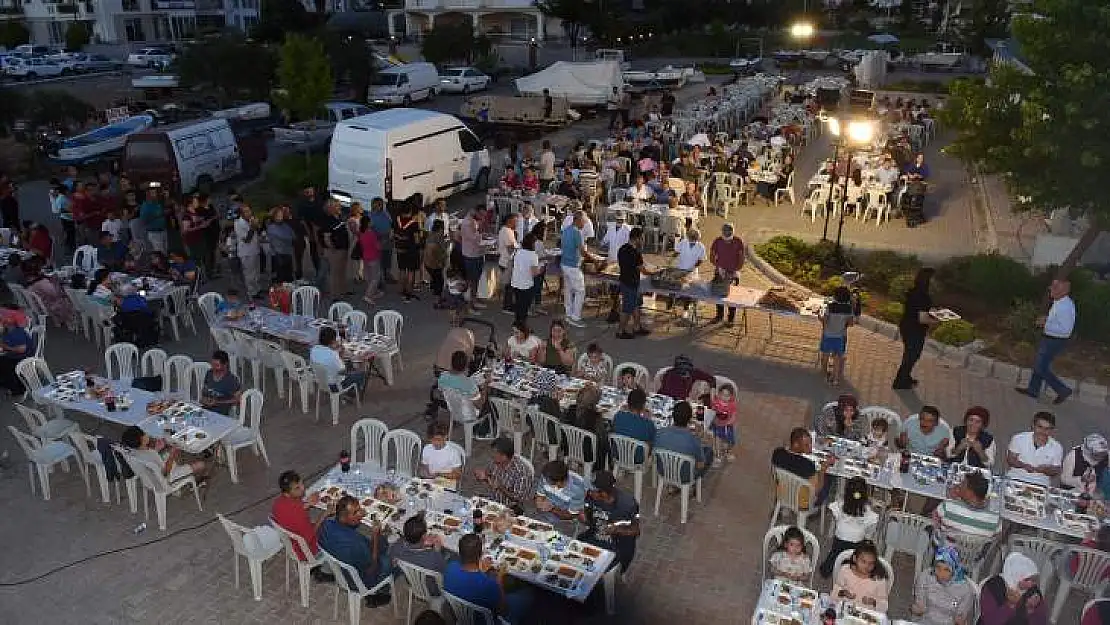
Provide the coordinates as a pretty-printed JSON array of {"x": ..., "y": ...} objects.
[
  {"x": 131, "y": 5},
  {"x": 134, "y": 29}
]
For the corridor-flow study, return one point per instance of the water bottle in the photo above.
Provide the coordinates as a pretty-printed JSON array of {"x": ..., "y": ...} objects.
[{"x": 139, "y": 529}]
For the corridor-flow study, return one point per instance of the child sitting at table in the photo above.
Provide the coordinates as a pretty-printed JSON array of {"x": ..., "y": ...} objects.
[
  {"x": 181, "y": 268},
  {"x": 791, "y": 562},
  {"x": 231, "y": 304},
  {"x": 877, "y": 439},
  {"x": 724, "y": 423},
  {"x": 855, "y": 521}
]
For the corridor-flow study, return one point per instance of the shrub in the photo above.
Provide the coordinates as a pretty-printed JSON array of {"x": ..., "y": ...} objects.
[
  {"x": 1091, "y": 303},
  {"x": 900, "y": 285},
  {"x": 829, "y": 285},
  {"x": 891, "y": 312},
  {"x": 782, "y": 248},
  {"x": 958, "y": 332},
  {"x": 1020, "y": 322},
  {"x": 993, "y": 279},
  {"x": 291, "y": 174},
  {"x": 880, "y": 267}
]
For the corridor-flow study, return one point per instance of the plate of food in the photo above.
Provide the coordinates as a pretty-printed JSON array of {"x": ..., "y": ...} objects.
[
  {"x": 1022, "y": 489},
  {"x": 488, "y": 507},
  {"x": 1079, "y": 522},
  {"x": 561, "y": 576},
  {"x": 859, "y": 615},
  {"x": 944, "y": 314},
  {"x": 587, "y": 550}
]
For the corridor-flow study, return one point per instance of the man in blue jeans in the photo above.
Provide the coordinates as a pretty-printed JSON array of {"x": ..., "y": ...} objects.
[
  {"x": 339, "y": 536},
  {"x": 680, "y": 439},
  {"x": 1058, "y": 326}
]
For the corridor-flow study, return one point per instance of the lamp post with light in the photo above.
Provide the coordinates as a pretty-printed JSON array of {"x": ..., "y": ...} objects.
[{"x": 854, "y": 132}]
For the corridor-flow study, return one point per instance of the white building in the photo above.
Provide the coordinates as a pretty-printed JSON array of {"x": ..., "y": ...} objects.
[{"x": 518, "y": 20}]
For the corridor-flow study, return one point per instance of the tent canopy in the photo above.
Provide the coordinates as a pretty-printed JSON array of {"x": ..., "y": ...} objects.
[{"x": 580, "y": 83}]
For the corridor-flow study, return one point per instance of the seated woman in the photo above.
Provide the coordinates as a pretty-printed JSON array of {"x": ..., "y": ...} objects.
[
  {"x": 971, "y": 443},
  {"x": 41, "y": 244},
  {"x": 100, "y": 288},
  {"x": 510, "y": 180},
  {"x": 155, "y": 452},
  {"x": 1013, "y": 596},
  {"x": 523, "y": 345},
  {"x": 842, "y": 419},
  {"x": 943, "y": 595},
  {"x": 530, "y": 182},
  {"x": 863, "y": 579},
  {"x": 158, "y": 266},
  {"x": 58, "y": 306},
  {"x": 594, "y": 367},
  {"x": 437, "y": 458},
  {"x": 558, "y": 352}
]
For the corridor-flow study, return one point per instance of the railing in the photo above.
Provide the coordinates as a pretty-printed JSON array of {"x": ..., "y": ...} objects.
[
  {"x": 16, "y": 10},
  {"x": 427, "y": 5},
  {"x": 68, "y": 9}
]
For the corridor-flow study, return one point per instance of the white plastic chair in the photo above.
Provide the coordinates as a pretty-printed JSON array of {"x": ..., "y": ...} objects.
[
  {"x": 845, "y": 555},
  {"x": 338, "y": 310},
  {"x": 622, "y": 453},
  {"x": 877, "y": 204},
  {"x": 80, "y": 302},
  {"x": 657, "y": 380},
  {"x": 44, "y": 429},
  {"x": 788, "y": 496},
  {"x": 175, "y": 308},
  {"x": 304, "y": 567},
  {"x": 121, "y": 360},
  {"x": 38, "y": 340},
  {"x": 815, "y": 203},
  {"x": 390, "y": 323},
  {"x": 254, "y": 551},
  {"x": 371, "y": 431},
  {"x": 36, "y": 308},
  {"x": 606, "y": 359},
  {"x": 467, "y": 613},
  {"x": 197, "y": 372},
  {"x": 788, "y": 190},
  {"x": 772, "y": 540},
  {"x": 975, "y": 551},
  {"x": 269, "y": 359},
  {"x": 419, "y": 588},
  {"x": 546, "y": 431},
  {"x": 155, "y": 482},
  {"x": 356, "y": 321},
  {"x": 510, "y": 418},
  {"x": 721, "y": 380},
  {"x": 43, "y": 456},
  {"x": 208, "y": 303},
  {"x": 642, "y": 375},
  {"x": 89, "y": 455},
  {"x": 300, "y": 374},
  {"x": 245, "y": 355},
  {"x": 35, "y": 374},
  {"x": 176, "y": 375},
  {"x": 248, "y": 434},
  {"x": 84, "y": 259},
  {"x": 1091, "y": 566},
  {"x": 306, "y": 301},
  {"x": 132, "y": 483},
  {"x": 406, "y": 446},
  {"x": 668, "y": 467},
  {"x": 910, "y": 536},
  {"x": 577, "y": 438},
  {"x": 1042, "y": 551},
  {"x": 324, "y": 384},
  {"x": 893, "y": 420},
  {"x": 153, "y": 362},
  {"x": 345, "y": 575}
]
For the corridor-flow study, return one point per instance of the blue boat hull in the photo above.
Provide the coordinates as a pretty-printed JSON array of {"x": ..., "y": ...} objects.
[{"x": 99, "y": 142}]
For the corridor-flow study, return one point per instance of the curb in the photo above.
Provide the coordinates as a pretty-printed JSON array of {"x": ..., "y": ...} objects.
[{"x": 954, "y": 357}]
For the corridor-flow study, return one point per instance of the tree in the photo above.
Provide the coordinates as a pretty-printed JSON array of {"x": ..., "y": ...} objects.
[
  {"x": 13, "y": 33},
  {"x": 454, "y": 42},
  {"x": 352, "y": 60},
  {"x": 1045, "y": 130},
  {"x": 304, "y": 73},
  {"x": 77, "y": 36},
  {"x": 230, "y": 65},
  {"x": 990, "y": 19},
  {"x": 280, "y": 17},
  {"x": 579, "y": 16},
  {"x": 13, "y": 105},
  {"x": 54, "y": 107}
]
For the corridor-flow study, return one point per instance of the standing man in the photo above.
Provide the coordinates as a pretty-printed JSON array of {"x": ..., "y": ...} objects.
[
  {"x": 248, "y": 251},
  {"x": 1058, "y": 326},
  {"x": 59, "y": 205},
  {"x": 573, "y": 247},
  {"x": 507, "y": 245},
  {"x": 613, "y": 105},
  {"x": 630, "y": 264},
  {"x": 382, "y": 223},
  {"x": 335, "y": 240},
  {"x": 547, "y": 158},
  {"x": 153, "y": 215},
  {"x": 727, "y": 255},
  {"x": 306, "y": 212},
  {"x": 470, "y": 243}
]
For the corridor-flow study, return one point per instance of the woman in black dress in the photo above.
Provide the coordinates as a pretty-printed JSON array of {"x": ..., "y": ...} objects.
[{"x": 914, "y": 327}]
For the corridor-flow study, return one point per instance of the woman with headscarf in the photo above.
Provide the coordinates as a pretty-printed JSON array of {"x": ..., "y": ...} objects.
[
  {"x": 1085, "y": 465},
  {"x": 914, "y": 327},
  {"x": 1013, "y": 597},
  {"x": 842, "y": 419},
  {"x": 971, "y": 443},
  {"x": 50, "y": 292},
  {"x": 943, "y": 595}
]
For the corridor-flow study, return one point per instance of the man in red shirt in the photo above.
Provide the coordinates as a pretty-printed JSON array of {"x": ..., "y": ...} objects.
[
  {"x": 727, "y": 255},
  {"x": 290, "y": 510}
]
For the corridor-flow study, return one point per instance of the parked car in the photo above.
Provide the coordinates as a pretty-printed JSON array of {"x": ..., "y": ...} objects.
[
  {"x": 32, "y": 50},
  {"x": 66, "y": 60},
  {"x": 462, "y": 80},
  {"x": 35, "y": 67},
  {"x": 155, "y": 58},
  {"x": 85, "y": 62}
]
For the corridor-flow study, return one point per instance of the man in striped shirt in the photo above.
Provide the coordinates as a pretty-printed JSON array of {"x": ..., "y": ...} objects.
[{"x": 965, "y": 512}]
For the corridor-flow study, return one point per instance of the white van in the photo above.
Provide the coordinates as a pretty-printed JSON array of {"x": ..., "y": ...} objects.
[
  {"x": 404, "y": 154},
  {"x": 403, "y": 84},
  {"x": 184, "y": 157}
]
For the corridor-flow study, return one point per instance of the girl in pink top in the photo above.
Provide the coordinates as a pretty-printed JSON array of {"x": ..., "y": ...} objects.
[
  {"x": 863, "y": 579},
  {"x": 371, "y": 259},
  {"x": 724, "y": 423},
  {"x": 531, "y": 182}
]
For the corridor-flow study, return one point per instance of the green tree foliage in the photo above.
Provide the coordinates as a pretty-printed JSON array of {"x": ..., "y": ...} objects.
[
  {"x": 990, "y": 19},
  {"x": 13, "y": 104},
  {"x": 280, "y": 17},
  {"x": 304, "y": 73},
  {"x": 580, "y": 16},
  {"x": 1045, "y": 130},
  {"x": 13, "y": 33},
  {"x": 230, "y": 65},
  {"x": 56, "y": 107},
  {"x": 77, "y": 36},
  {"x": 454, "y": 41},
  {"x": 352, "y": 60}
]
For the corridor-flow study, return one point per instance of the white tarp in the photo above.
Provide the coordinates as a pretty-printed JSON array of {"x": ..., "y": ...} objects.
[{"x": 587, "y": 83}]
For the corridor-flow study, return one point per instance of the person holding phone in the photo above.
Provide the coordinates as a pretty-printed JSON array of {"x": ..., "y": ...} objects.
[{"x": 612, "y": 519}]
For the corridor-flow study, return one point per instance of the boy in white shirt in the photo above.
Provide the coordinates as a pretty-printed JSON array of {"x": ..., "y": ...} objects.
[
  {"x": 113, "y": 225},
  {"x": 438, "y": 458}
]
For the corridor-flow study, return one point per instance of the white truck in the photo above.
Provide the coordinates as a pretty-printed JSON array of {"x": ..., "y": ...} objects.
[{"x": 316, "y": 133}]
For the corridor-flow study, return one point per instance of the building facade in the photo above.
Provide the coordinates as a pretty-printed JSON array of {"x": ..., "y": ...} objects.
[{"x": 518, "y": 20}]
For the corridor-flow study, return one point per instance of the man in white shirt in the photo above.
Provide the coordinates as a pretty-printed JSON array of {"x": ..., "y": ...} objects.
[
  {"x": 615, "y": 237},
  {"x": 1035, "y": 456},
  {"x": 587, "y": 225},
  {"x": 327, "y": 355},
  {"x": 888, "y": 174},
  {"x": 1058, "y": 326},
  {"x": 691, "y": 251},
  {"x": 248, "y": 250},
  {"x": 641, "y": 192},
  {"x": 507, "y": 245},
  {"x": 525, "y": 221},
  {"x": 547, "y": 166}
]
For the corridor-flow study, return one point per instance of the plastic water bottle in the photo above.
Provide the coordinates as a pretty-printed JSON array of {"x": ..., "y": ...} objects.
[{"x": 139, "y": 529}]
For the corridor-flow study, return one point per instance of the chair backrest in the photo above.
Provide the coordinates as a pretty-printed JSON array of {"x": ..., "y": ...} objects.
[
  {"x": 723, "y": 381},
  {"x": 268, "y": 352},
  {"x": 1040, "y": 550},
  {"x": 121, "y": 360},
  {"x": 657, "y": 379},
  {"x": 29, "y": 443},
  {"x": 86, "y": 447},
  {"x": 177, "y": 301},
  {"x": 507, "y": 412},
  {"x": 912, "y": 535},
  {"x": 250, "y": 409},
  {"x": 346, "y": 576},
  {"x": 288, "y": 540},
  {"x": 197, "y": 371},
  {"x": 150, "y": 475},
  {"x": 418, "y": 578},
  {"x": 227, "y": 340},
  {"x": 623, "y": 450},
  {"x": 296, "y": 366},
  {"x": 467, "y": 613},
  {"x": 893, "y": 420},
  {"x": 772, "y": 540},
  {"x": 389, "y": 323},
  {"x": 545, "y": 427},
  {"x": 153, "y": 362},
  {"x": 236, "y": 533},
  {"x": 462, "y": 408},
  {"x": 606, "y": 361},
  {"x": 208, "y": 304},
  {"x": 669, "y": 466},
  {"x": 338, "y": 310},
  {"x": 406, "y": 445},
  {"x": 356, "y": 321},
  {"x": 790, "y": 488},
  {"x": 324, "y": 376},
  {"x": 34, "y": 373},
  {"x": 846, "y": 555},
  {"x": 176, "y": 375},
  {"x": 642, "y": 375},
  {"x": 1090, "y": 566},
  {"x": 38, "y": 340},
  {"x": 577, "y": 440},
  {"x": 306, "y": 300},
  {"x": 84, "y": 259},
  {"x": 372, "y": 431},
  {"x": 32, "y": 417}
]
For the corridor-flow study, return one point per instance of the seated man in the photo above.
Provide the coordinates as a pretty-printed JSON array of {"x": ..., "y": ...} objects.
[
  {"x": 508, "y": 478},
  {"x": 339, "y": 536},
  {"x": 471, "y": 578},
  {"x": 679, "y": 439},
  {"x": 328, "y": 355},
  {"x": 15, "y": 345},
  {"x": 678, "y": 381},
  {"x": 438, "y": 459},
  {"x": 290, "y": 511},
  {"x": 612, "y": 519},
  {"x": 567, "y": 188},
  {"x": 159, "y": 267},
  {"x": 419, "y": 548},
  {"x": 924, "y": 435},
  {"x": 1036, "y": 456},
  {"x": 154, "y": 452},
  {"x": 560, "y": 494},
  {"x": 181, "y": 269},
  {"x": 965, "y": 511},
  {"x": 221, "y": 389},
  {"x": 111, "y": 253},
  {"x": 793, "y": 460},
  {"x": 634, "y": 421}
]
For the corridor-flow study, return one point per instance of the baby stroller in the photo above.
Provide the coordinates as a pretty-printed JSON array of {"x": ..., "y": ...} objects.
[
  {"x": 913, "y": 204},
  {"x": 483, "y": 354}
]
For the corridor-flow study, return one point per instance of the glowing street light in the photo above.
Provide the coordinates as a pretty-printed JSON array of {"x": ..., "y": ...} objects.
[
  {"x": 802, "y": 30},
  {"x": 856, "y": 131}
]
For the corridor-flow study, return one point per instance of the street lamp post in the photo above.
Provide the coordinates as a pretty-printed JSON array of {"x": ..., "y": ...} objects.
[{"x": 856, "y": 132}]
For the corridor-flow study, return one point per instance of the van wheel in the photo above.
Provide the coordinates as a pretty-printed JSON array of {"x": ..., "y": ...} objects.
[
  {"x": 406, "y": 101},
  {"x": 482, "y": 183},
  {"x": 431, "y": 94},
  {"x": 204, "y": 185}
]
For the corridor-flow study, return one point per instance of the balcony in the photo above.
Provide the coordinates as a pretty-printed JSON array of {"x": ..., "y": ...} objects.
[
  {"x": 67, "y": 9},
  {"x": 518, "y": 5},
  {"x": 468, "y": 5},
  {"x": 11, "y": 10},
  {"x": 210, "y": 6}
]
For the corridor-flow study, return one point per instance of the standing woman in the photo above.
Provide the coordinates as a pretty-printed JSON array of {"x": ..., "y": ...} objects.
[
  {"x": 193, "y": 225},
  {"x": 354, "y": 229},
  {"x": 9, "y": 203},
  {"x": 914, "y": 327},
  {"x": 281, "y": 235},
  {"x": 371, "y": 250},
  {"x": 406, "y": 244}
]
